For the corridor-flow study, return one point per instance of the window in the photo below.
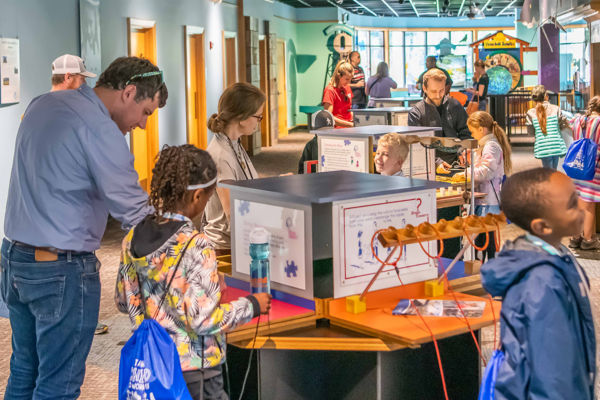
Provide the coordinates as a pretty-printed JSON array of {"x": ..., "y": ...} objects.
[
  {"x": 370, "y": 45},
  {"x": 574, "y": 57},
  {"x": 397, "y": 57},
  {"x": 406, "y": 51}
]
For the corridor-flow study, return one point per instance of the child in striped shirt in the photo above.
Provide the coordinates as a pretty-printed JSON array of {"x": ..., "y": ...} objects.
[{"x": 546, "y": 121}]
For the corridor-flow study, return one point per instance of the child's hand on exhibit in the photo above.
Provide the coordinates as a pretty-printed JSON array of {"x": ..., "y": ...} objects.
[{"x": 264, "y": 300}]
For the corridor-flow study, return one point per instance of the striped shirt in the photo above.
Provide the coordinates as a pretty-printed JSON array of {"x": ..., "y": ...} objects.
[{"x": 551, "y": 143}]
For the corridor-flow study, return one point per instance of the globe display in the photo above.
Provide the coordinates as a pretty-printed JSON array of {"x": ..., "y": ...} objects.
[{"x": 501, "y": 80}]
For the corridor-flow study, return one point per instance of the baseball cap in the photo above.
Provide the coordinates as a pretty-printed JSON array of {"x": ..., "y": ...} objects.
[
  {"x": 322, "y": 119},
  {"x": 71, "y": 65}
]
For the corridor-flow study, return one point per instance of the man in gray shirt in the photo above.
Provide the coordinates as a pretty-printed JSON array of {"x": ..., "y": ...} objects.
[{"x": 71, "y": 168}]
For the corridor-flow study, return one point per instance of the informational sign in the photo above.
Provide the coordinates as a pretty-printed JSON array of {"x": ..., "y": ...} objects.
[
  {"x": 286, "y": 226},
  {"x": 499, "y": 41},
  {"x": 354, "y": 225},
  {"x": 89, "y": 33},
  {"x": 343, "y": 154},
  {"x": 10, "y": 71}
]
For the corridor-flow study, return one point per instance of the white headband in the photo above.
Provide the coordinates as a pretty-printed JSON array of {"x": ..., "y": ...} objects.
[{"x": 202, "y": 185}]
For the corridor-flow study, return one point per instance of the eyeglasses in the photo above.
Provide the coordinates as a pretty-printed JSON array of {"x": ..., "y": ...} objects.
[
  {"x": 259, "y": 117},
  {"x": 146, "y": 75}
]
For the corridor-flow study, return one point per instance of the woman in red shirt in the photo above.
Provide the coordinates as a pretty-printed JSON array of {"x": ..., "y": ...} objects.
[{"x": 337, "y": 97}]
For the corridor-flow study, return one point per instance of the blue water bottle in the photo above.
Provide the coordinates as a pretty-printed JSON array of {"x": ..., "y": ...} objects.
[{"x": 260, "y": 273}]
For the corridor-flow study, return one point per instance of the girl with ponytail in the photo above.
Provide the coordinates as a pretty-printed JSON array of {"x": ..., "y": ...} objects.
[
  {"x": 240, "y": 112},
  {"x": 588, "y": 127},
  {"x": 546, "y": 121},
  {"x": 491, "y": 161}
]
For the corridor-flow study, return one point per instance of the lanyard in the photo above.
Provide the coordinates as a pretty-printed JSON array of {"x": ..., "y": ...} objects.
[
  {"x": 177, "y": 217},
  {"x": 237, "y": 157}
]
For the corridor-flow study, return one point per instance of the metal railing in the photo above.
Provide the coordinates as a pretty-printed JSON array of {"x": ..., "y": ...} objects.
[{"x": 510, "y": 110}]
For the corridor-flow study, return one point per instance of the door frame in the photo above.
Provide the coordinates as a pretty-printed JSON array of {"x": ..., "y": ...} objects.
[
  {"x": 285, "y": 81},
  {"x": 230, "y": 35},
  {"x": 188, "y": 31},
  {"x": 264, "y": 86},
  {"x": 152, "y": 146}
]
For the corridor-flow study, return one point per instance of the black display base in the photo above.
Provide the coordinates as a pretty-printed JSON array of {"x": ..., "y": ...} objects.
[{"x": 407, "y": 374}]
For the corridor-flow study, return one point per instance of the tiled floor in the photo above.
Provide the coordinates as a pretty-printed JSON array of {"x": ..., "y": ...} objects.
[{"x": 103, "y": 362}]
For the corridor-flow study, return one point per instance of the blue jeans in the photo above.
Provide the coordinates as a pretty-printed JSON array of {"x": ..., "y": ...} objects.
[
  {"x": 357, "y": 106},
  {"x": 482, "y": 105},
  {"x": 482, "y": 211},
  {"x": 550, "y": 162},
  {"x": 53, "y": 308},
  {"x": 490, "y": 250}
]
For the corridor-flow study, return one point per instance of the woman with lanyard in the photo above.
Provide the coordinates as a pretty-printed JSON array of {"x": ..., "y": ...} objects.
[
  {"x": 380, "y": 85},
  {"x": 337, "y": 96},
  {"x": 480, "y": 88},
  {"x": 240, "y": 111}
]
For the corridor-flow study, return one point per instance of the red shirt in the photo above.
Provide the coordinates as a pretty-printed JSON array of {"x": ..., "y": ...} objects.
[{"x": 341, "y": 100}]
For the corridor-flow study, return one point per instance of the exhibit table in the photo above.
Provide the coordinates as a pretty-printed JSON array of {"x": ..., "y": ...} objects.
[
  {"x": 351, "y": 149},
  {"x": 310, "y": 346},
  {"x": 381, "y": 116},
  {"x": 404, "y": 101}
]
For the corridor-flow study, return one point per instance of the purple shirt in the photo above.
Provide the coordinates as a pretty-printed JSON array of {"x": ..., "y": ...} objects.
[{"x": 381, "y": 89}]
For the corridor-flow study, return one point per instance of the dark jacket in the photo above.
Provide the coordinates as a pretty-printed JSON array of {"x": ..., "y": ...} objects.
[
  {"x": 310, "y": 153},
  {"x": 453, "y": 122},
  {"x": 546, "y": 324}
]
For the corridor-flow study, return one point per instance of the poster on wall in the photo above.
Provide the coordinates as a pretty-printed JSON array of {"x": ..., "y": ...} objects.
[
  {"x": 287, "y": 253},
  {"x": 89, "y": 28},
  {"x": 456, "y": 67},
  {"x": 10, "y": 71},
  {"x": 354, "y": 225},
  {"x": 343, "y": 154}
]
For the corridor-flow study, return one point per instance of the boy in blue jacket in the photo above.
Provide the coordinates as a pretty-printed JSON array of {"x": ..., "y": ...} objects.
[{"x": 546, "y": 323}]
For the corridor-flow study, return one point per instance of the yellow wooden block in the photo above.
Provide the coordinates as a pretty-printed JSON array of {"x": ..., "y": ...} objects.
[
  {"x": 354, "y": 305},
  {"x": 433, "y": 288}
]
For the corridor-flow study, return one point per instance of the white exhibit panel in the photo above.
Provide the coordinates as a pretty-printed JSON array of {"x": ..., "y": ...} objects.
[
  {"x": 400, "y": 119},
  {"x": 337, "y": 153},
  {"x": 369, "y": 118},
  {"x": 287, "y": 245},
  {"x": 354, "y": 225},
  {"x": 10, "y": 71}
]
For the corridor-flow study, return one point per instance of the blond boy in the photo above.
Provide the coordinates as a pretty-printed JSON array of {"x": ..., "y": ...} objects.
[{"x": 392, "y": 151}]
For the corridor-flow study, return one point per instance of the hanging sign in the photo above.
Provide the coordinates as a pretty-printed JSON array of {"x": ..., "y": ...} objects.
[{"x": 499, "y": 41}]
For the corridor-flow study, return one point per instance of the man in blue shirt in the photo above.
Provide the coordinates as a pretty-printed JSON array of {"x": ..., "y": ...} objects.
[{"x": 71, "y": 168}]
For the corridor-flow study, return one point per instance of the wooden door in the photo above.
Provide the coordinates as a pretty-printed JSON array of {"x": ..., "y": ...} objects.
[
  {"x": 281, "y": 89},
  {"x": 144, "y": 142},
  {"x": 272, "y": 81},
  {"x": 264, "y": 86},
  {"x": 196, "y": 90},
  {"x": 229, "y": 61}
]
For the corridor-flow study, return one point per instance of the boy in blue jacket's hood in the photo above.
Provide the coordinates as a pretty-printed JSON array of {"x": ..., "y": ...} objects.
[{"x": 546, "y": 322}]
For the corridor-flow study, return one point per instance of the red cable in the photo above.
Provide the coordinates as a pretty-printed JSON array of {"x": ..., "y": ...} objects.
[
  {"x": 494, "y": 318},
  {"x": 460, "y": 308},
  {"x": 487, "y": 236},
  {"x": 375, "y": 254},
  {"x": 437, "y": 350}
]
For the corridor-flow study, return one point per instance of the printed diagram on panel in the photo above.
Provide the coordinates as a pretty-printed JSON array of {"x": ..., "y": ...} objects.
[{"x": 360, "y": 225}]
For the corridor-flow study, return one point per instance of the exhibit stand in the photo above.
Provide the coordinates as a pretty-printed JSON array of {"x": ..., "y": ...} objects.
[
  {"x": 404, "y": 101},
  {"x": 351, "y": 149},
  {"x": 381, "y": 116},
  {"x": 325, "y": 244}
]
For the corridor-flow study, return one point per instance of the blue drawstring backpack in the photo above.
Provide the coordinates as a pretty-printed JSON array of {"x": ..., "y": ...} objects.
[
  {"x": 488, "y": 384},
  {"x": 580, "y": 160},
  {"x": 150, "y": 368}
]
